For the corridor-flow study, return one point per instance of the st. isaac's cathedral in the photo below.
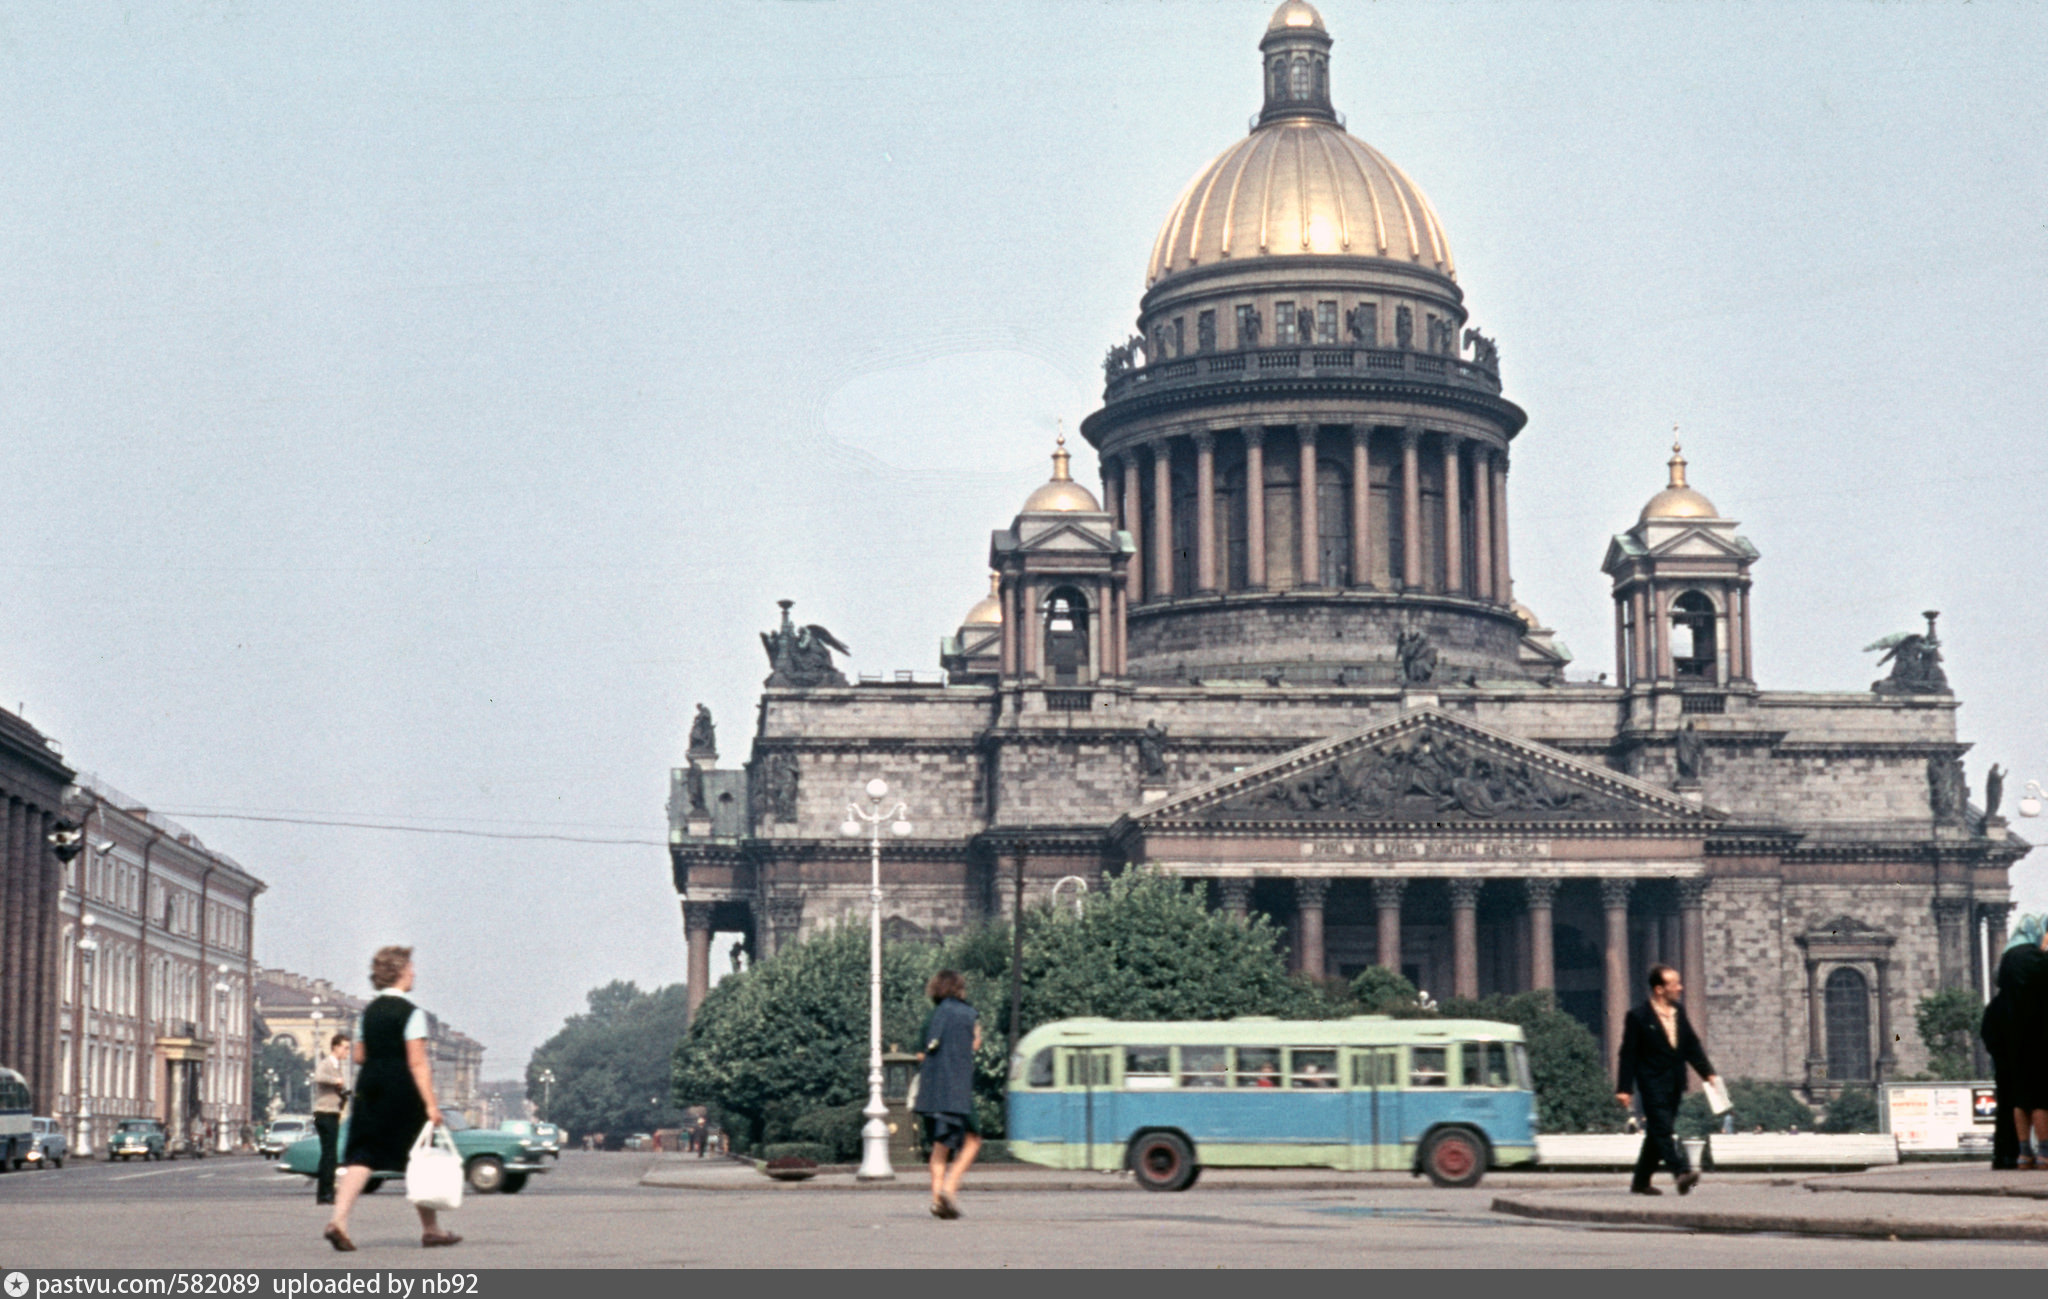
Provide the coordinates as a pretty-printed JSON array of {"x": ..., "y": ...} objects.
[{"x": 1280, "y": 655}]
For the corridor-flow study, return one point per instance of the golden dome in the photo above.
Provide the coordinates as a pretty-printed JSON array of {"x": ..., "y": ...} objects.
[
  {"x": 1300, "y": 186},
  {"x": 1295, "y": 13},
  {"x": 1062, "y": 494},
  {"x": 987, "y": 611},
  {"x": 1678, "y": 501}
]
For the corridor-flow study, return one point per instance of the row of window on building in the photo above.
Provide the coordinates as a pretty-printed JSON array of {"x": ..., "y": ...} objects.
[
  {"x": 117, "y": 884},
  {"x": 1296, "y": 323}
]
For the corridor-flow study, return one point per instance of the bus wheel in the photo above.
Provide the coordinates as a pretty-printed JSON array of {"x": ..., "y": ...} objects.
[
  {"x": 1162, "y": 1161},
  {"x": 1454, "y": 1157}
]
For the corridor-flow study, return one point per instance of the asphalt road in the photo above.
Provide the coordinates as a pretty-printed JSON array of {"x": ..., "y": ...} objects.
[{"x": 591, "y": 1212}]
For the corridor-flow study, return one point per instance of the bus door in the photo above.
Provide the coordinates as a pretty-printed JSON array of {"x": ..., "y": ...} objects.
[
  {"x": 1085, "y": 1100},
  {"x": 1376, "y": 1107}
]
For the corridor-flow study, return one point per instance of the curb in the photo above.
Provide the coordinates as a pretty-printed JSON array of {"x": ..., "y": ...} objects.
[{"x": 1791, "y": 1224}]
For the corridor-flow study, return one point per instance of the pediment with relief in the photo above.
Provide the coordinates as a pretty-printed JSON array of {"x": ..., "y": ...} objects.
[{"x": 1426, "y": 767}]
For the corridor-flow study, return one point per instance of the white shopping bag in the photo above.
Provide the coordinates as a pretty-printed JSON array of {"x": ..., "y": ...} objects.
[
  {"x": 433, "y": 1172},
  {"x": 1717, "y": 1097}
]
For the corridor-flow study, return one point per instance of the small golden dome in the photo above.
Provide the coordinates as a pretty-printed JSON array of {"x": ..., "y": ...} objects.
[
  {"x": 987, "y": 611},
  {"x": 1061, "y": 495},
  {"x": 1678, "y": 501},
  {"x": 1299, "y": 187},
  {"x": 1295, "y": 13}
]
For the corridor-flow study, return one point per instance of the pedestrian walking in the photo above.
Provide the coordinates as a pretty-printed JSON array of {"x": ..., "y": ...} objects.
[
  {"x": 2015, "y": 1032},
  {"x": 1657, "y": 1043},
  {"x": 394, "y": 1095},
  {"x": 945, "y": 1088},
  {"x": 330, "y": 1095}
]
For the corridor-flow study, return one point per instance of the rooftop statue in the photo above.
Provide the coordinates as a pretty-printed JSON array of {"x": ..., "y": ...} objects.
[
  {"x": 703, "y": 735},
  {"x": 1418, "y": 657},
  {"x": 801, "y": 656},
  {"x": 1915, "y": 660}
]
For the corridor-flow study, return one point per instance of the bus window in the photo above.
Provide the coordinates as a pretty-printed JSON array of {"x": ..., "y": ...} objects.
[
  {"x": 1427, "y": 1067},
  {"x": 1523, "y": 1079},
  {"x": 1379, "y": 1068},
  {"x": 1313, "y": 1068},
  {"x": 1205, "y": 1066},
  {"x": 1497, "y": 1074},
  {"x": 1081, "y": 1064},
  {"x": 1040, "y": 1073},
  {"x": 1258, "y": 1066},
  {"x": 1147, "y": 1069}
]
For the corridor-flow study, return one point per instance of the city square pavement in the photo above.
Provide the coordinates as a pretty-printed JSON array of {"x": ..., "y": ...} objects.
[{"x": 594, "y": 1211}]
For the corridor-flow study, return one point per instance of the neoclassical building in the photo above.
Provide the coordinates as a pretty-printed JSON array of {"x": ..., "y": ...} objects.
[{"x": 1280, "y": 654}]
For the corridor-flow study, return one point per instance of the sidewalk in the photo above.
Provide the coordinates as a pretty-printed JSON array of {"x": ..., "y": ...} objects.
[{"x": 1926, "y": 1202}]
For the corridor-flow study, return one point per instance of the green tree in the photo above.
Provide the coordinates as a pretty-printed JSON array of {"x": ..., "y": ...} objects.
[
  {"x": 1947, "y": 1021},
  {"x": 1379, "y": 991},
  {"x": 611, "y": 1063},
  {"x": 1573, "y": 1093},
  {"x": 789, "y": 1037}
]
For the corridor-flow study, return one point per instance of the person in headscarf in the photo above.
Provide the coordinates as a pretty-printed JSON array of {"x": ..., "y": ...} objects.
[{"x": 2015, "y": 1032}]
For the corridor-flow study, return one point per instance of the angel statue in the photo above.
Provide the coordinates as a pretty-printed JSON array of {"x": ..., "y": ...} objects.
[
  {"x": 1915, "y": 660},
  {"x": 801, "y": 656}
]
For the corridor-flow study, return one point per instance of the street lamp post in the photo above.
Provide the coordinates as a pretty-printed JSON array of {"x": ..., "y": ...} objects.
[
  {"x": 88, "y": 949},
  {"x": 2030, "y": 804},
  {"x": 220, "y": 1072},
  {"x": 547, "y": 1094},
  {"x": 874, "y": 1136}
]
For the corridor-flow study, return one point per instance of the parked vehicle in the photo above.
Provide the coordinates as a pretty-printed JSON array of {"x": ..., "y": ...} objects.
[
  {"x": 50, "y": 1147},
  {"x": 137, "y": 1138},
  {"x": 283, "y": 1130},
  {"x": 1449, "y": 1098},
  {"x": 547, "y": 1137},
  {"x": 492, "y": 1159},
  {"x": 17, "y": 1134},
  {"x": 640, "y": 1141}
]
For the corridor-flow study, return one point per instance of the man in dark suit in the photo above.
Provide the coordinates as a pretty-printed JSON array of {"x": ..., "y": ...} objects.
[{"x": 1657, "y": 1043}]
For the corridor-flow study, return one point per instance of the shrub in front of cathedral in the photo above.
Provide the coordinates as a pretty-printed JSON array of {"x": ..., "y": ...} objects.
[
  {"x": 1771, "y": 1106},
  {"x": 1573, "y": 1093}
]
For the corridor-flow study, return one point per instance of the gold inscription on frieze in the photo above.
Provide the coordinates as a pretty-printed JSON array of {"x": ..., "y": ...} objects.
[{"x": 1416, "y": 849}]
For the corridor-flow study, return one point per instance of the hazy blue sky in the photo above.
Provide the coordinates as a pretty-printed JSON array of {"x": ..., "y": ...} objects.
[{"x": 414, "y": 409}]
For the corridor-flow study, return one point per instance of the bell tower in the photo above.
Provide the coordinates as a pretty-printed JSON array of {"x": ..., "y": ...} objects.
[
  {"x": 1681, "y": 594},
  {"x": 1060, "y": 572}
]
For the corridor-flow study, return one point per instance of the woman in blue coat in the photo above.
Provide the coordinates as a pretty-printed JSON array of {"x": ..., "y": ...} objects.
[{"x": 945, "y": 1088}]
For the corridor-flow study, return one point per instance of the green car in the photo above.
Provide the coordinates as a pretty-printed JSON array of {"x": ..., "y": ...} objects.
[
  {"x": 492, "y": 1159},
  {"x": 135, "y": 1138}
]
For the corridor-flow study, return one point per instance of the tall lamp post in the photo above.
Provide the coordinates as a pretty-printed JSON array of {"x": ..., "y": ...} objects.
[
  {"x": 220, "y": 1072},
  {"x": 874, "y": 1136},
  {"x": 546, "y": 1079},
  {"x": 88, "y": 948}
]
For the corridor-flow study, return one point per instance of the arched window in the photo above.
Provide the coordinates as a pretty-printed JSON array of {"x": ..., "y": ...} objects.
[
  {"x": 1847, "y": 1002},
  {"x": 1693, "y": 654},
  {"x": 1281, "y": 476},
  {"x": 1279, "y": 78},
  {"x": 1320, "y": 73},
  {"x": 1066, "y": 636},
  {"x": 1299, "y": 79},
  {"x": 1333, "y": 523}
]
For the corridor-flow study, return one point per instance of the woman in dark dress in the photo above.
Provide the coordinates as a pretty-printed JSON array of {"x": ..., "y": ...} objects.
[
  {"x": 2015, "y": 1031},
  {"x": 394, "y": 1095}
]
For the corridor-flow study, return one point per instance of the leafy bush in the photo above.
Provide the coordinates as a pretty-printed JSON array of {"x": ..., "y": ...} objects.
[
  {"x": 1573, "y": 1093},
  {"x": 1771, "y": 1105},
  {"x": 837, "y": 1129},
  {"x": 810, "y": 1150},
  {"x": 1379, "y": 991},
  {"x": 1947, "y": 1021},
  {"x": 1855, "y": 1110}
]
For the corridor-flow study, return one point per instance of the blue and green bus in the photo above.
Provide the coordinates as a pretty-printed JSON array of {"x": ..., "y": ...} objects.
[{"x": 1448, "y": 1098}]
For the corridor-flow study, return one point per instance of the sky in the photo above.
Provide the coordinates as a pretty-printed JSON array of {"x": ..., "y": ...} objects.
[{"x": 413, "y": 410}]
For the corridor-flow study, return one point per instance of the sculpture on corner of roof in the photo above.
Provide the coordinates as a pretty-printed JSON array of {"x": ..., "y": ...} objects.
[
  {"x": 1152, "y": 750},
  {"x": 1418, "y": 657},
  {"x": 1404, "y": 328},
  {"x": 801, "y": 656},
  {"x": 1915, "y": 660},
  {"x": 1994, "y": 794},
  {"x": 1485, "y": 353},
  {"x": 1948, "y": 794},
  {"x": 703, "y": 735}
]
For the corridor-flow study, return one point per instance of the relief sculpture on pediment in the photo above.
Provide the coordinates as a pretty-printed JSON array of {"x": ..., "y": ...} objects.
[{"x": 1427, "y": 778}]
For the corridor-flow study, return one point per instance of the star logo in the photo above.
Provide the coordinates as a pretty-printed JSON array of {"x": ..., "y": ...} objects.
[{"x": 17, "y": 1285}]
